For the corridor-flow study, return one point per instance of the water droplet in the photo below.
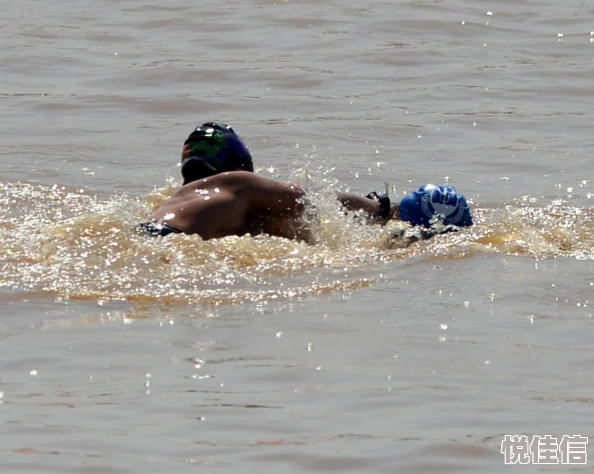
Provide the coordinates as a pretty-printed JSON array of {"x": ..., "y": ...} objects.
[
  {"x": 279, "y": 334},
  {"x": 309, "y": 347},
  {"x": 443, "y": 327},
  {"x": 168, "y": 216},
  {"x": 490, "y": 13},
  {"x": 33, "y": 373}
]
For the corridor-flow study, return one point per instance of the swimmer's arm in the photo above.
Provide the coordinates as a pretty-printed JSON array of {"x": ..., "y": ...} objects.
[
  {"x": 356, "y": 202},
  {"x": 272, "y": 197}
]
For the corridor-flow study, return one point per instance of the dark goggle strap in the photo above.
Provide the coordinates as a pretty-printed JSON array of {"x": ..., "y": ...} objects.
[{"x": 198, "y": 166}]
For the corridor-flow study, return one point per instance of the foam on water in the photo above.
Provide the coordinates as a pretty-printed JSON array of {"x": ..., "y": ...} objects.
[{"x": 73, "y": 244}]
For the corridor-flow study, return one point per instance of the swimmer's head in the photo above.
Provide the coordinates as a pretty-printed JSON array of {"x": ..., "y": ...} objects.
[
  {"x": 213, "y": 148},
  {"x": 430, "y": 203}
]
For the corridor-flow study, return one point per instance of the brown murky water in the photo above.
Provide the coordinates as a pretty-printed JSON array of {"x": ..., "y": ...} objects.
[{"x": 128, "y": 354}]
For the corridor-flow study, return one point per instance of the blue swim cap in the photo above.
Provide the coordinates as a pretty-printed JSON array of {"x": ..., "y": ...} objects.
[
  {"x": 441, "y": 202},
  {"x": 214, "y": 148}
]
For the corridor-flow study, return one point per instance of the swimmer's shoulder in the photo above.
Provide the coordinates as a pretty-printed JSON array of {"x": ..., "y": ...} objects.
[
  {"x": 243, "y": 183},
  {"x": 228, "y": 180}
]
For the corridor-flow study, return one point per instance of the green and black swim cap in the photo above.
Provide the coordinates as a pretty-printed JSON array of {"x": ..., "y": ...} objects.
[{"x": 214, "y": 148}]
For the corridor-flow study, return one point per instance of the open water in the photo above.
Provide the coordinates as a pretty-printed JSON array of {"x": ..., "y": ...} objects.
[{"x": 122, "y": 354}]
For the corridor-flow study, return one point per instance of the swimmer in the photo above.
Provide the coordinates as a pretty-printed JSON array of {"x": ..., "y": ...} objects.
[{"x": 222, "y": 196}]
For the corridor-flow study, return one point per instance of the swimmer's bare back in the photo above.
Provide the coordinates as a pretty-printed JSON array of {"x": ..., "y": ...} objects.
[{"x": 228, "y": 203}]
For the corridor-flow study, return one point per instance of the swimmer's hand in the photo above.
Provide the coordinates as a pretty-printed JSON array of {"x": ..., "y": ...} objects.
[{"x": 385, "y": 206}]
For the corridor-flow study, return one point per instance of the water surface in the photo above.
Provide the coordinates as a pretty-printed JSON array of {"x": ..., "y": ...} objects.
[{"x": 127, "y": 354}]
